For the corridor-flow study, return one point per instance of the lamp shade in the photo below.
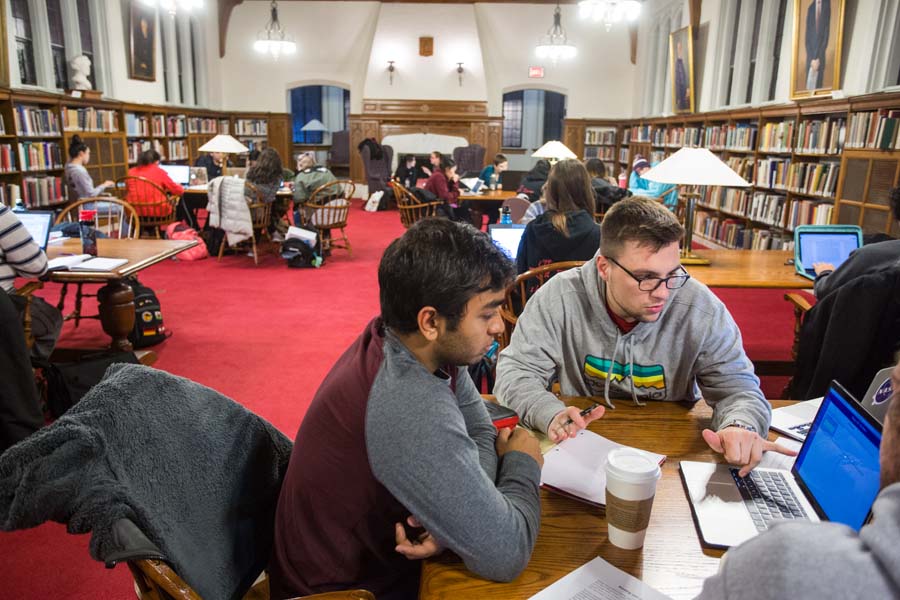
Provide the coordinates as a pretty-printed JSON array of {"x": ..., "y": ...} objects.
[
  {"x": 554, "y": 150},
  {"x": 314, "y": 125},
  {"x": 695, "y": 166},
  {"x": 224, "y": 143}
]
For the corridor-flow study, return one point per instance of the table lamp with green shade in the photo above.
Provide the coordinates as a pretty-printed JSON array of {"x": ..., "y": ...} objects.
[
  {"x": 554, "y": 151},
  {"x": 694, "y": 166}
]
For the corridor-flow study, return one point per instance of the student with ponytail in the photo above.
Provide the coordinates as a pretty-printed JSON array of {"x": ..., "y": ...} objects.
[{"x": 78, "y": 181}]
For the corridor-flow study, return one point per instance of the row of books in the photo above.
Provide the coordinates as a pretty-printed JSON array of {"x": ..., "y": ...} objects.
[
  {"x": 38, "y": 192},
  {"x": 878, "y": 130},
  {"x": 136, "y": 125},
  {"x": 601, "y": 152},
  {"x": 10, "y": 194},
  {"x": 772, "y": 172},
  {"x": 602, "y": 137},
  {"x": 658, "y": 137},
  {"x": 821, "y": 137},
  {"x": 2, "y": 125},
  {"x": 202, "y": 125},
  {"x": 657, "y": 156},
  {"x": 136, "y": 147},
  {"x": 31, "y": 120},
  {"x": 89, "y": 119},
  {"x": 176, "y": 126},
  {"x": 813, "y": 178},
  {"x": 251, "y": 127},
  {"x": 777, "y": 137},
  {"x": 178, "y": 150},
  {"x": 623, "y": 154},
  {"x": 767, "y": 208},
  {"x": 7, "y": 158},
  {"x": 809, "y": 212},
  {"x": 640, "y": 133},
  {"x": 742, "y": 165},
  {"x": 679, "y": 137},
  {"x": 159, "y": 125},
  {"x": 731, "y": 137},
  {"x": 40, "y": 156},
  {"x": 759, "y": 206},
  {"x": 224, "y": 126},
  {"x": 734, "y": 233},
  {"x": 730, "y": 200}
]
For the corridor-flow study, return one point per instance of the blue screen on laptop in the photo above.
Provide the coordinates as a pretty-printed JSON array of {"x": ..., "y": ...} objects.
[
  {"x": 838, "y": 465},
  {"x": 507, "y": 237},
  {"x": 829, "y": 247}
]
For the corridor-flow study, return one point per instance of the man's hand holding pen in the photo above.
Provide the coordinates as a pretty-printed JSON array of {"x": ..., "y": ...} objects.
[{"x": 567, "y": 423}]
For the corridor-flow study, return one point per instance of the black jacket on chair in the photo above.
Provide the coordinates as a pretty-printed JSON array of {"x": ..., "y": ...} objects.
[
  {"x": 849, "y": 335},
  {"x": 20, "y": 411}
]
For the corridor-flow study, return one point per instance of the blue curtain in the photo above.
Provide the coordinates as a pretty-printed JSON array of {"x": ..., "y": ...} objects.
[
  {"x": 554, "y": 113},
  {"x": 306, "y": 105}
]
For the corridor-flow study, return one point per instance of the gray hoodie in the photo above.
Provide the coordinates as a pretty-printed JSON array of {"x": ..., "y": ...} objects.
[
  {"x": 566, "y": 334},
  {"x": 816, "y": 560}
]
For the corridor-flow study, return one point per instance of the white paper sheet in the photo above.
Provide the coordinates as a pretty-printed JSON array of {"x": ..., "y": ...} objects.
[
  {"x": 599, "y": 580},
  {"x": 776, "y": 460}
]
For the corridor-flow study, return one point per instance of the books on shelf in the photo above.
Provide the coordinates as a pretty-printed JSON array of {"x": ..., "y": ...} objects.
[
  {"x": 159, "y": 125},
  {"x": 176, "y": 126},
  {"x": 7, "y": 158},
  {"x": 202, "y": 125},
  {"x": 601, "y": 152},
  {"x": 40, "y": 156},
  {"x": 224, "y": 126},
  {"x": 819, "y": 179},
  {"x": 255, "y": 127},
  {"x": 772, "y": 172},
  {"x": 657, "y": 156},
  {"x": 2, "y": 125},
  {"x": 136, "y": 125},
  {"x": 777, "y": 137},
  {"x": 659, "y": 136},
  {"x": 34, "y": 121},
  {"x": 10, "y": 193},
  {"x": 740, "y": 136},
  {"x": 42, "y": 191},
  {"x": 714, "y": 137},
  {"x": 89, "y": 119},
  {"x": 767, "y": 208},
  {"x": 809, "y": 212},
  {"x": 821, "y": 136},
  {"x": 681, "y": 137},
  {"x": 742, "y": 165},
  {"x": 626, "y": 136},
  {"x": 735, "y": 233},
  {"x": 178, "y": 150},
  {"x": 136, "y": 147},
  {"x": 640, "y": 134},
  {"x": 596, "y": 136},
  {"x": 875, "y": 130},
  {"x": 623, "y": 155}
]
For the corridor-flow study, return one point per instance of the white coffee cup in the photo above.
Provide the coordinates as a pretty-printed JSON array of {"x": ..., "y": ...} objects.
[{"x": 631, "y": 477}]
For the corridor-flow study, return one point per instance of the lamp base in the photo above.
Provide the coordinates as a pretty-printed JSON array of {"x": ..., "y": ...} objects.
[{"x": 689, "y": 258}]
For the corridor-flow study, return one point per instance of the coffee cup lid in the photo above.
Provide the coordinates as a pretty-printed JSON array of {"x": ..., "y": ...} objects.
[{"x": 631, "y": 464}]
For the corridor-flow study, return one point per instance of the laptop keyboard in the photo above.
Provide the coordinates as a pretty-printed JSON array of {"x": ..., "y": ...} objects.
[
  {"x": 801, "y": 429},
  {"x": 768, "y": 498}
]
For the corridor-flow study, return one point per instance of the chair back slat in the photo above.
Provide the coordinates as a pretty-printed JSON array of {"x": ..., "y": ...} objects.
[
  {"x": 153, "y": 204},
  {"x": 411, "y": 210},
  {"x": 114, "y": 218}
]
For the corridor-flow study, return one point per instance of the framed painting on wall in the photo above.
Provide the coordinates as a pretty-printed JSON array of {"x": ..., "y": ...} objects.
[
  {"x": 142, "y": 33},
  {"x": 681, "y": 69},
  {"x": 816, "y": 58}
]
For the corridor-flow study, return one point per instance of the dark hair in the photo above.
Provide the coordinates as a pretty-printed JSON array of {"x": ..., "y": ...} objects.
[
  {"x": 595, "y": 168},
  {"x": 446, "y": 163},
  {"x": 76, "y": 146},
  {"x": 254, "y": 155},
  {"x": 568, "y": 189},
  {"x": 267, "y": 169},
  {"x": 500, "y": 158},
  {"x": 148, "y": 157},
  {"x": 409, "y": 157},
  {"x": 439, "y": 263},
  {"x": 895, "y": 202},
  {"x": 540, "y": 170},
  {"x": 641, "y": 220},
  {"x": 437, "y": 153}
]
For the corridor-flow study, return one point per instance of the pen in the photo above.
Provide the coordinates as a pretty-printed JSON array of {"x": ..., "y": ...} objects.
[{"x": 583, "y": 413}]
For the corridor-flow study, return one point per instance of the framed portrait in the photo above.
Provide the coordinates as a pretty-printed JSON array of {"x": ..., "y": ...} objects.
[
  {"x": 142, "y": 33},
  {"x": 816, "y": 59},
  {"x": 681, "y": 69}
]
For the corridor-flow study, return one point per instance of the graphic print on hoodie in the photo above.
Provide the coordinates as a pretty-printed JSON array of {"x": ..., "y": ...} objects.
[{"x": 649, "y": 380}]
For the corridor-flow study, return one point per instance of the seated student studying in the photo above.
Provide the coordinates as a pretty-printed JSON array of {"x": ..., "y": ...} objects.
[
  {"x": 421, "y": 467},
  {"x": 637, "y": 185},
  {"x": 140, "y": 195}
]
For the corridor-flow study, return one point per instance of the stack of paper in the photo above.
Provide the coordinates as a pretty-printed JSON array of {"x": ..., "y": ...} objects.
[{"x": 84, "y": 262}]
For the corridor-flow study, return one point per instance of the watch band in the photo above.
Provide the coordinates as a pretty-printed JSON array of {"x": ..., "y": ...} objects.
[{"x": 742, "y": 426}]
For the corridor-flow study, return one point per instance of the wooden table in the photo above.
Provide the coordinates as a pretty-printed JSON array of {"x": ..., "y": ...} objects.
[
  {"x": 572, "y": 533},
  {"x": 116, "y": 297},
  {"x": 749, "y": 269},
  {"x": 476, "y": 209}
]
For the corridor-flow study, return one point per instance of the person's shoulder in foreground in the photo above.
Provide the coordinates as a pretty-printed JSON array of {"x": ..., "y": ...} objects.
[
  {"x": 398, "y": 437},
  {"x": 825, "y": 560}
]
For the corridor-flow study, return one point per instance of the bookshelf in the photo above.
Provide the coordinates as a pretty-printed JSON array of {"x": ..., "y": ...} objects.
[
  {"x": 40, "y": 153},
  {"x": 101, "y": 127},
  {"x": 602, "y": 141}
]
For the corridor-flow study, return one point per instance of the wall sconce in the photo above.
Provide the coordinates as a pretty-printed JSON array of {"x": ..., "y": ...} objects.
[
  {"x": 391, "y": 69},
  {"x": 459, "y": 71}
]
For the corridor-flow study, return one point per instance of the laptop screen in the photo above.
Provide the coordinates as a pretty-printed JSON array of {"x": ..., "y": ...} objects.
[
  {"x": 38, "y": 224},
  {"x": 826, "y": 246},
  {"x": 838, "y": 466},
  {"x": 507, "y": 237},
  {"x": 180, "y": 174}
]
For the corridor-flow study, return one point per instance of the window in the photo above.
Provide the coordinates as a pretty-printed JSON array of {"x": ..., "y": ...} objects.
[
  {"x": 512, "y": 119},
  {"x": 57, "y": 44},
  {"x": 179, "y": 56},
  {"x": 195, "y": 68},
  {"x": 165, "y": 60},
  {"x": 87, "y": 37},
  {"x": 532, "y": 117},
  {"x": 328, "y": 104},
  {"x": 732, "y": 54},
  {"x": 24, "y": 42},
  {"x": 757, "y": 17},
  {"x": 776, "y": 48}
]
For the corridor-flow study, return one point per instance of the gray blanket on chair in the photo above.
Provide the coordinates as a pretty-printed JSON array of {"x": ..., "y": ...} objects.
[{"x": 198, "y": 473}]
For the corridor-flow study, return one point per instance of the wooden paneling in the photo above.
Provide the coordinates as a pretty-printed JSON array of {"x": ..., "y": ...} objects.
[
  {"x": 444, "y": 110},
  {"x": 280, "y": 137}
]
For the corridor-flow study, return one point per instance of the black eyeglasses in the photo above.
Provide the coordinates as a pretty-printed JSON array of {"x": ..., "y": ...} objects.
[{"x": 650, "y": 284}]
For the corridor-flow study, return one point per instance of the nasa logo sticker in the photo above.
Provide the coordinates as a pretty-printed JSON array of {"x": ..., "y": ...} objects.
[{"x": 883, "y": 393}]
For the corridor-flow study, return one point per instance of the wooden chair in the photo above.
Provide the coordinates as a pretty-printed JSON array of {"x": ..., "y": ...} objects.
[
  {"x": 598, "y": 217},
  {"x": 327, "y": 209},
  {"x": 260, "y": 213},
  {"x": 156, "y": 207},
  {"x": 114, "y": 218},
  {"x": 27, "y": 292},
  {"x": 524, "y": 287},
  {"x": 155, "y": 580},
  {"x": 411, "y": 209}
]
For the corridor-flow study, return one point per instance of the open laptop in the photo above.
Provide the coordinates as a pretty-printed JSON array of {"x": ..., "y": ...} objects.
[
  {"x": 473, "y": 184},
  {"x": 38, "y": 224},
  {"x": 506, "y": 237},
  {"x": 823, "y": 243},
  {"x": 199, "y": 176},
  {"x": 795, "y": 420},
  {"x": 180, "y": 174},
  {"x": 835, "y": 478}
]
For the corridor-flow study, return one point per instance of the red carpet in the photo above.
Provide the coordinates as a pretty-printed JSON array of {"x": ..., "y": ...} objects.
[{"x": 266, "y": 336}]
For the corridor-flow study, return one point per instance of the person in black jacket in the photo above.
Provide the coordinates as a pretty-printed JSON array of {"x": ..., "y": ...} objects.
[
  {"x": 605, "y": 192},
  {"x": 566, "y": 231},
  {"x": 533, "y": 182}
]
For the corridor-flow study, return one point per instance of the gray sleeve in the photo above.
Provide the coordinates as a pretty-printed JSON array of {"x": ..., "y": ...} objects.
[
  {"x": 433, "y": 469},
  {"x": 478, "y": 422},
  {"x": 84, "y": 185},
  {"x": 526, "y": 367},
  {"x": 726, "y": 379}
]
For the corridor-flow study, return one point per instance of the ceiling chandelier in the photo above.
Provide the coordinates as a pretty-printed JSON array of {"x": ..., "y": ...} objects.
[
  {"x": 273, "y": 39},
  {"x": 173, "y": 6},
  {"x": 555, "y": 45},
  {"x": 609, "y": 12}
]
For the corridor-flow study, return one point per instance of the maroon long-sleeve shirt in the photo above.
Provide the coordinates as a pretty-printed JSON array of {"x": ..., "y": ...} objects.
[{"x": 443, "y": 188}]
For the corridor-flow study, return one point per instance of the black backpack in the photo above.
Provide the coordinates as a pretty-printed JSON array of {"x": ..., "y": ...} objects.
[
  {"x": 149, "y": 329},
  {"x": 299, "y": 255}
]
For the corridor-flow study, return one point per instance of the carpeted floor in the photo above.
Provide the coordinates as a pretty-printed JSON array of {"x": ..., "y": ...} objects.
[{"x": 266, "y": 336}]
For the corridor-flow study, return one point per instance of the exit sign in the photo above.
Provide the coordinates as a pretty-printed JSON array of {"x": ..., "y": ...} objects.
[{"x": 536, "y": 72}]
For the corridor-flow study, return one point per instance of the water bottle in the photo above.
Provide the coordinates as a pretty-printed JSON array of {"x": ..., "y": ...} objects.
[
  {"x": 505, "y": 217},
  {"x": 493, "y": 181},
  {"x": 87, "y": 232},
  {"x": 623, "y": 180}
]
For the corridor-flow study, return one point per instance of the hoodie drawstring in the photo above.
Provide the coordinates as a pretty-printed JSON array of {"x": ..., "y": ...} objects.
[
  {"x": 609, "y": 373},
  {"x": 629, "y": 358}
]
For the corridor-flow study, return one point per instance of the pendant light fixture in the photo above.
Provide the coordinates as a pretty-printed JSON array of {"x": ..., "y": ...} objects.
[
  {"x": 273, "y": 40},
  {"x": 555, "y": 45},
  {"x": 173, "y": 6},
  {"x": 609, "y": 12}
]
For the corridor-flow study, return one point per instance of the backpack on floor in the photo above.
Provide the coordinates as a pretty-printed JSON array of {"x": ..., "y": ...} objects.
[
  {"x": 182, "y": 231},
  {"x": 149, "y": 329}
]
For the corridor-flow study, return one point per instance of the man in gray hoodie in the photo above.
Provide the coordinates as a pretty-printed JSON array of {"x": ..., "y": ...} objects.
[
  {"x": 825, "y": 560},
  {"x": 631, "y": 323}
]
